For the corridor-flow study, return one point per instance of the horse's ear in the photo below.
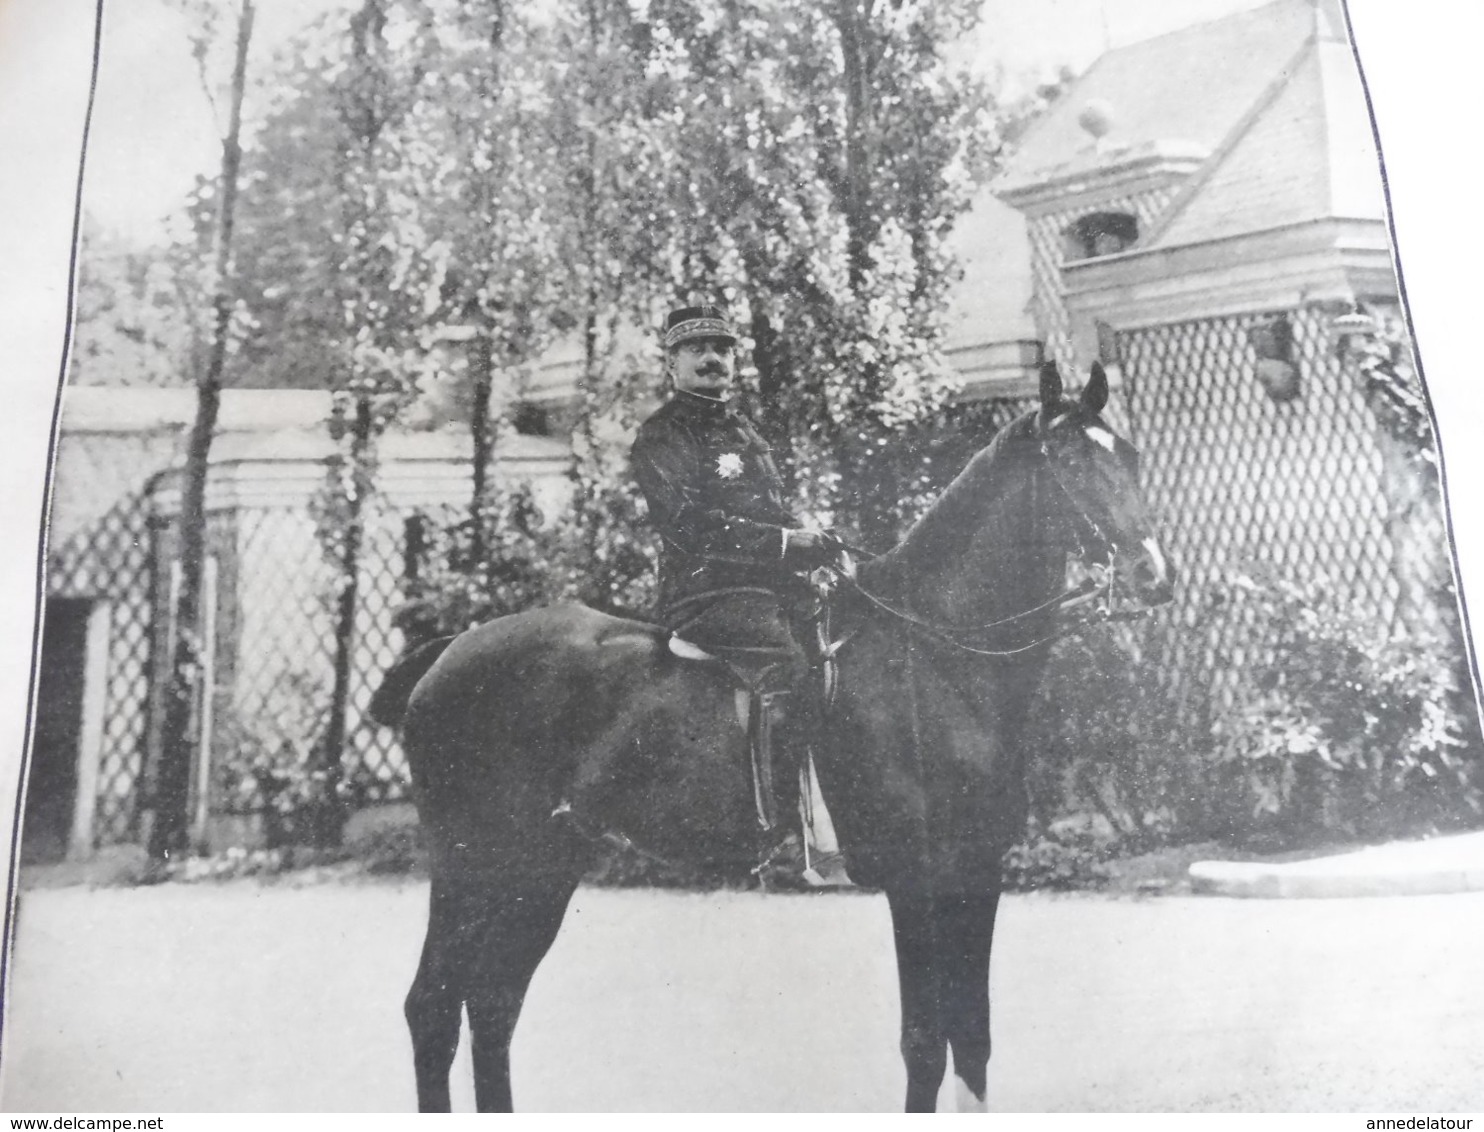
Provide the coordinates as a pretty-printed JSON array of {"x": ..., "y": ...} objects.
[
  {"x": 1095, "y": 392},
  {"x": 1050, "y": 385}
]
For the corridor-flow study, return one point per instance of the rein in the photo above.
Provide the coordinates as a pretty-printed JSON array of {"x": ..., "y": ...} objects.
[{"x": 1069, "y": 599}]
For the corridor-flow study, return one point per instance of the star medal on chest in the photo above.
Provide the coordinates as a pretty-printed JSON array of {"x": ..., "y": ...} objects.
[{"x": 729, "y": 465}]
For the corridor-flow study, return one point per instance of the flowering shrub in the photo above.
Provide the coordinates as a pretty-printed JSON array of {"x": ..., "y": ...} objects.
[
  {"x": 290, "y": 790},
  {"x": 271, "y": 765},
  {"x": 513, "y": 571},
  {"x": 599, "y": 553},
  {"x": 1342, "y": 725},
  {"x": 1339, "y": 727},
  {"x": 1112, "y": 744},
  {"x": 1042, "y": 862}
]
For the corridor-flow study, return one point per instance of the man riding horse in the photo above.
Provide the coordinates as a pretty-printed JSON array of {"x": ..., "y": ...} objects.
[
  {"x": 530, "y": 736},
  {"x": 734, "y": 557}
]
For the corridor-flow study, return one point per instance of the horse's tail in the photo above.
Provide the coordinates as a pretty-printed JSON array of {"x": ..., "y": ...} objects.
[{"x": 388, "y": 705}]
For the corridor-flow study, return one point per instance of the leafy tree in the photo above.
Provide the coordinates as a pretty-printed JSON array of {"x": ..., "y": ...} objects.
[
  {"x": 820, "y": 155},
  {"x": 172, "y": 780},
  {"x": 139, "y": 322},
  {"x": 570, "y": 172},
  {"x": 289, "y": 217},
  {"x": 373, "y": 86}
]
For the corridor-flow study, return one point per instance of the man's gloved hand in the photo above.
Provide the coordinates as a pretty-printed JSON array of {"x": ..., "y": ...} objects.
[{"x": 806, "y": 550}]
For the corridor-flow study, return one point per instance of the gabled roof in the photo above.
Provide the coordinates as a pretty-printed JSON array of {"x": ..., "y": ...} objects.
[
  {"x": 1305, "y": 153},
  {"x": 1185, "y": 90}
]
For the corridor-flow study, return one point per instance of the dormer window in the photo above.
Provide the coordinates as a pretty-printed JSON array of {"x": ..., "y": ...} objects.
[{"x": 1099, "y": 234}]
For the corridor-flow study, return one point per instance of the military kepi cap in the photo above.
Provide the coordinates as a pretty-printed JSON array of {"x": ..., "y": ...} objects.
[{"x": 688, "y": 323}]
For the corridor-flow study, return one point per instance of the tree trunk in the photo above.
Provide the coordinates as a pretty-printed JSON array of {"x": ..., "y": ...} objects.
[
  {"x": 849, "y": 19},
  {"x": 481, "y": 360},
  {"x": 481, "y": 363},
  {"x": 869, "y": 481},
  {"x": 171, "y": 830},
  {"x": 327, "y": 822}
]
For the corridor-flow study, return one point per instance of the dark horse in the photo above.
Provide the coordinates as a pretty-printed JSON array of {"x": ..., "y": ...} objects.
[{"x": 530, "y": 735}]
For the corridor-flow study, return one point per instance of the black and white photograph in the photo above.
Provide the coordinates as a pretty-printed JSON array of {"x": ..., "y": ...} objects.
[{"x": 736, "y": 555}]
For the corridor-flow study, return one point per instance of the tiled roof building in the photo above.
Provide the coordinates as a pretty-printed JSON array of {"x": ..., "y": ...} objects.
[
  {"x": 1229, "y": 151},
  {"x": 1200, "y": 208}
]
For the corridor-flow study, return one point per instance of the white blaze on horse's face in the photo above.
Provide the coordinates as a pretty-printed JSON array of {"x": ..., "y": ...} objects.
[
  {"x": 1158, "y": 563},
  {"x": 1101, "y": 479},
  {"x": 1100, "y": 472},
  {"x": 1101, "y": 436}
]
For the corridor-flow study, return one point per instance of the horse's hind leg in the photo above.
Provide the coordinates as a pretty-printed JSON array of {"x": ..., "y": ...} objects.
[
  {"x": 965, "y": 931},
  {"x": 518, "y": 922},
  {"x": 435, "y": 1001}
]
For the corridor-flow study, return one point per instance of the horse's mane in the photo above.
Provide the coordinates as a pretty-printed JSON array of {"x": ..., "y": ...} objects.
[
  {"x": 980, "y": 502},
  {"x": 983, "y": 474}
]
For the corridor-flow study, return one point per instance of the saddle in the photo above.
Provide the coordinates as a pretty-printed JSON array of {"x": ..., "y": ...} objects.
[
  {"x": 762, "y": 711},
  {"x": 758, "y": 710}
]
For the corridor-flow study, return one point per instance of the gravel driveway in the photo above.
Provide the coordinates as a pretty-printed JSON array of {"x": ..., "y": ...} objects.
[{"x": 252, "y": 997}]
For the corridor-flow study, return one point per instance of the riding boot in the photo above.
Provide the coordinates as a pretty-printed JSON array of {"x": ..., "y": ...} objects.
[
  {"x": 790, "y": 741},
  {"x": 791, "y": 724}
]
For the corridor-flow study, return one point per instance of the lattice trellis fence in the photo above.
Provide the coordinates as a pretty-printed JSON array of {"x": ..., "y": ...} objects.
[
  {"x": 276, "y": 648},
  {"x": 1238, "y": 480},
  {"x": 111, "y": 561},
  {"x": 1234, "y": 477},
  {"x": 387, "y": 576},
  {"x": 270, "y": 594}
]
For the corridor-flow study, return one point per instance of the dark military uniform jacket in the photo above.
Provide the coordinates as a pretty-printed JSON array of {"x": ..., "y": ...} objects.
[{"x": 716, "y": 498}]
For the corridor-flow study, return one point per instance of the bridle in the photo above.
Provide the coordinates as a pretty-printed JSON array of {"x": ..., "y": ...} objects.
[{"x": 1075, "y": 597}]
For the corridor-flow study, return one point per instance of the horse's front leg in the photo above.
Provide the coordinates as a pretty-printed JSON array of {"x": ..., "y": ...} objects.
[
  {"x": 920, "y": 979},
  {"x": 965, "y": 931}
]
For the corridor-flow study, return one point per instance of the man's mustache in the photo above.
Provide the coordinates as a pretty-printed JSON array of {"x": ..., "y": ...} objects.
[{"x": 712, "y": 370}]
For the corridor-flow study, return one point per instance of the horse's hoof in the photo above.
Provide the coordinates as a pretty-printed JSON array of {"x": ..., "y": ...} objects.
[{"x": 965, "y": 1100}]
